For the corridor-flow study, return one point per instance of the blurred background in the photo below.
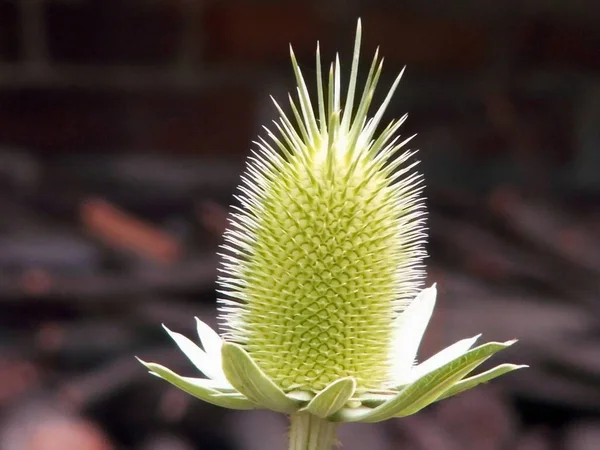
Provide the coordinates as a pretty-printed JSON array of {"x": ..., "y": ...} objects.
[{"x": 124, "y": 125}]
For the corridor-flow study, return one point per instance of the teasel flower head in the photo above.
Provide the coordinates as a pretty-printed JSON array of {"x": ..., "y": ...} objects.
[{"x": 321, "y": 303}]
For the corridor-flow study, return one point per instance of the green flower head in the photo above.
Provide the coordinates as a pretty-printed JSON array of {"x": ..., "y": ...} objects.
[
  {"x": 320, "y": 281},
  {"x": 326, "y": 250}
]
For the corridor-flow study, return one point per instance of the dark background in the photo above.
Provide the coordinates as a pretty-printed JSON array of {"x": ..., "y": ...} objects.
[{"x": 124, "y": 125}]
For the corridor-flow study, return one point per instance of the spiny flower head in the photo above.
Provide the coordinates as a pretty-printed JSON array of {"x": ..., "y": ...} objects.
[
  {"x": 321, "y": 307},
  {"x": 326, "y": 249}
]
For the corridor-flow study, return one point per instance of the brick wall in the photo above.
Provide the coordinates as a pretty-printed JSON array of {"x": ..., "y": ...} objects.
[{"x": 188, "y": 76}]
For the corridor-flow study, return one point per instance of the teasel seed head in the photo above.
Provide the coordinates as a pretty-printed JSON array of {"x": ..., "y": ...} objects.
[
  {"x": 321, "y": 270},
  {"x": 325, "y": 249}
]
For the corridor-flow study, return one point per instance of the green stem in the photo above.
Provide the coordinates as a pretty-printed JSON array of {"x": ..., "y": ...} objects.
[{"x": 309, "y": 432}]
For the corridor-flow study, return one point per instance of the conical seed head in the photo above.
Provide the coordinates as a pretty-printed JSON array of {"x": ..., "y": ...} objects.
[{"x": 326, "y": 248}]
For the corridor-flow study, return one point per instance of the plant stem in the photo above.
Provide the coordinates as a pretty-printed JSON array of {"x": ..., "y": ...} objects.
[{"x": 309, "y": 432}]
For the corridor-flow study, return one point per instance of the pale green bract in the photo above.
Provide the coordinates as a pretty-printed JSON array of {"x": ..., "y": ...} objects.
[{"x": 322, "y": 313}]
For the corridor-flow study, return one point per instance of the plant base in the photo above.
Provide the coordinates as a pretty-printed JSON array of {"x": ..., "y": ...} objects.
[{"x": 309, "y": 432}]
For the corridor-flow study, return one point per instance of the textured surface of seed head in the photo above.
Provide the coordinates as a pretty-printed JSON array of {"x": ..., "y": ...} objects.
[{"x": 325, "y": 249}]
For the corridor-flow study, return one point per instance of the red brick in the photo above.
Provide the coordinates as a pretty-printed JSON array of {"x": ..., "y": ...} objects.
[
  {"x": 220, "y": 121},
  {"x": 111, "y": 31},
  {"x": 259, "y": 32},
  {"x": 211, "y": 122},
  {"x": 436, "y": 43}
]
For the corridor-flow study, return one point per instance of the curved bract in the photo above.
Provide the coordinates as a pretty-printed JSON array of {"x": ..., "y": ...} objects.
[{"x": 239, "y": 383}]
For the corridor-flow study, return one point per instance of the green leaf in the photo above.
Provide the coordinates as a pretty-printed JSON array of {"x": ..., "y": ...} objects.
[
  {"x": 373, "y": 400},
  {"x": 427, "y": 389},
  {"x": 245, "y": 375},
  {"x": 438, "y": 360},
  {"x": 196, "y": 388},
  {"x": 331, "y": 399},
  {"x": 483, "y": 377}
]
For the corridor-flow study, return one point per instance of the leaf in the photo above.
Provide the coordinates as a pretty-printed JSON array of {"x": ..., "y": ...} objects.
[
  {"x": 483, "y": 377},
  {"x": 427, "y": 389},
  {"x": 205, "y": 364},
  {"x": 332, "y": 398},
  {"x": 211, "y": 341},
  {"x": 197, "y": 388},
  {"x": 441, "y": 358},
  {"x": 245, "y": 375},
  {"x": 410, "y": 327},
  {"x": 373, "y": 400}
]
